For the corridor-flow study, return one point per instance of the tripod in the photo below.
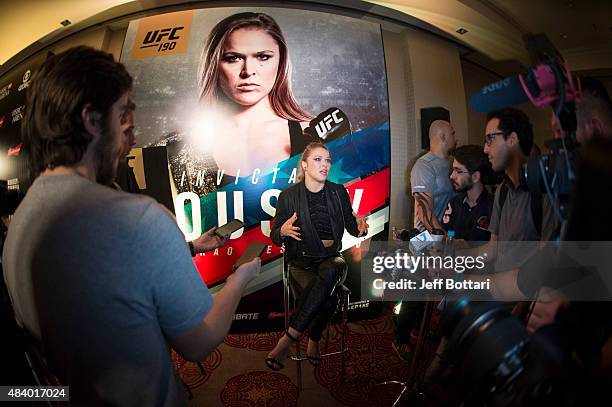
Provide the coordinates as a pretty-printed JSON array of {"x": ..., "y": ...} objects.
[{"x": 413, "y": 382}]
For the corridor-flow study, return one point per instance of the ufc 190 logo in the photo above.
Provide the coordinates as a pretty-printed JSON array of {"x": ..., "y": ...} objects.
[
  {"x": 164, "y": 39},
  {"x": 161, "y": 35}
]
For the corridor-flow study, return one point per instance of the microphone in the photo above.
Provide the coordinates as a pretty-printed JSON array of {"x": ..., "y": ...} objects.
[
  {"x": 498, "y": 95},
  {"x": 406, "y": 234},
  {"x": 540, "y": 86},
  {"x": 329, "y": 125}
]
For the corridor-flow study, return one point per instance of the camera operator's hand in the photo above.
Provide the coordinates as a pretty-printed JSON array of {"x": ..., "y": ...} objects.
[
  {"x": 288, "y": 230},
  {"x": 209, "y": 241},
  {"x": 545, "y": 310}
]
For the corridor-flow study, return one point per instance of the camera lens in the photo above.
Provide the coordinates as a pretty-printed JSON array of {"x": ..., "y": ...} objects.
[{"x": 488, "y": 342}]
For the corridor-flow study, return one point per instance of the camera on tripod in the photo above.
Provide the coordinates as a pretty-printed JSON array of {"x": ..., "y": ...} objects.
[
  {"x": 501, "y": 364},
  {"x": 548, "y": 82},
  {"x": 552, "y": 173}
]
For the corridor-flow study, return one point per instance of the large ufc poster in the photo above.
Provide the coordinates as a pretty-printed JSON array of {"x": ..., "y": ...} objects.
[{"x": 236, "y": 94}]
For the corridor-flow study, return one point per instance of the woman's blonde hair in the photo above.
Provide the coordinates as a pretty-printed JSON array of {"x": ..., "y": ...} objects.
[
  {"x": 307, "y": 151},
  {"x": 281, "y": 97}
]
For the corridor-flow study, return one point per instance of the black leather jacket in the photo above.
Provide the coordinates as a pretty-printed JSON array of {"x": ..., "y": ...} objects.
[{"x": 294, "y": 199}]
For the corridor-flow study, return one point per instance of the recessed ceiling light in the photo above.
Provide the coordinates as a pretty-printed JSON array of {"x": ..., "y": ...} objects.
[
  {"x": 65, "y": 23},
  {"x": 461, "y": 30}
]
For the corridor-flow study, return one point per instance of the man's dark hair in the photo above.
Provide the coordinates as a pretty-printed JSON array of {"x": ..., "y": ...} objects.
[
  {"x": 53, "y": 133},
  {"x": 514, "y": 120},
  {"x": 595, "y": 102},
  {"x": 474, "y": 159},
  {"x": 594, "y": 88}
]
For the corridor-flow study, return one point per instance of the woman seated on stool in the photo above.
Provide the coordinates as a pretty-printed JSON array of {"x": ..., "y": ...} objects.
[{"x": 310, "y": 220}]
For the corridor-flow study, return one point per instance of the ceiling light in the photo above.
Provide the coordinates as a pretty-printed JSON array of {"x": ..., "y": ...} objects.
[
  {"x": 461, "y": 30},
  {"x": 66, "y": 23}
]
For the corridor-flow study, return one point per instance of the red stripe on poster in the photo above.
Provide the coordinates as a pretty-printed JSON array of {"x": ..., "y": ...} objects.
[{"x": 375, "y": 191}]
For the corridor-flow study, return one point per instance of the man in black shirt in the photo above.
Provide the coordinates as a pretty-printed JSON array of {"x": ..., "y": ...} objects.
[{"x": 468, "y": 213}]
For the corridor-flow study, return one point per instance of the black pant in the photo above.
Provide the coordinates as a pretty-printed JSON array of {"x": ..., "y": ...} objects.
[
  {"x": 408, "y": 320},
  {"x": 313, "y": 281}
]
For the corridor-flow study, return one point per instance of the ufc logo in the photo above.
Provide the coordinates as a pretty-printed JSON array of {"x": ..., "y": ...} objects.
[
  {"x": 155, "y": 37},
  {"x": 326, "y": 124}
]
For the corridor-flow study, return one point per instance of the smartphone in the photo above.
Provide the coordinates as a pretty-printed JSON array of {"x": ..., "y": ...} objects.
[
  {"x": 254, "y": 250},
  {"x": 229, "y": 228}
]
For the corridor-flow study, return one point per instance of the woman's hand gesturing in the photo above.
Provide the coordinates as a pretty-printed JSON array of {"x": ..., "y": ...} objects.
[
  {"x": 289, "y": 230},
  {"x": 362, "y": 224}
]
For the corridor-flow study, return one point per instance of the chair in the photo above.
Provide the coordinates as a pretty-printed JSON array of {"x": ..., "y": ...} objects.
[
  {"x": 413, "y": 382},
  {"x": 344, "y": 303}
]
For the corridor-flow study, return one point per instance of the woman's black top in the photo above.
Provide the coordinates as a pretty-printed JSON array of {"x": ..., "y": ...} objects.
[
  {"x": 319, "y": 215},
  {"x": 294, "y": 200}
]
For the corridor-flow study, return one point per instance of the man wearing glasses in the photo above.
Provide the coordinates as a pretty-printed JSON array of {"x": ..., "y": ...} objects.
[{"x": 518, "y": 215}]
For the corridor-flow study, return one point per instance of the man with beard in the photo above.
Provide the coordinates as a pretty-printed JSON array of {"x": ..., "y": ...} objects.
[
  {"x": 518, "y": 216},
  {"x": 429, "y": 181},
  {"x": 126, "y": 180},
  {"x": 100, "y": 279},
  {"x": 468, "y": 213}
]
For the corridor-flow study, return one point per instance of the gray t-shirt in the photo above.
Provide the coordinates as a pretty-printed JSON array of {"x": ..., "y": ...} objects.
[
  {"x": 100, "y": 278},
  {"x": 430, "y": 174},
  {"x": 514, "y": 228}
]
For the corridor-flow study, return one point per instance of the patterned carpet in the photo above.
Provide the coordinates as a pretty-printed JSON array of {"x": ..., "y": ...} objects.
[{"x": 235, "y": 373}]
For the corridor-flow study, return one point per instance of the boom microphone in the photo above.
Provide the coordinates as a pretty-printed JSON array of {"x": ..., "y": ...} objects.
[
  {"x": 540, "y": 86},
  {"x": 498, "y": 95}
]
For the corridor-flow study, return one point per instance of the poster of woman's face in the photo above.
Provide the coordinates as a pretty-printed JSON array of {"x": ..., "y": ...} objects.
[{"x": 236, "y": 94}]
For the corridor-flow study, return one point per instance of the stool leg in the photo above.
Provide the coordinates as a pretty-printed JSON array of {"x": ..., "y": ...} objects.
[
  {"x": 298, "y": 358},
  {"x": 286, "y": 294},
  {"x": 286, "y": 300},
  {"x": 328, "y": 328},
  {"x": 345, "y": 303}
]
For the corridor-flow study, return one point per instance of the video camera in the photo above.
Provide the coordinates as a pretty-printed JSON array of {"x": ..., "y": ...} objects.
[
  {"x": 503, "y": 365},
  {"x": 548, "y": 82},
  {"x": 500, "y": 361}
]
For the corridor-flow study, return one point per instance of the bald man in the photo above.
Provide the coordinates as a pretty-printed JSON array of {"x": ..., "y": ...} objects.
[
  {"x": 431, "y": 187},
  {"x": 432, "y": 190}
]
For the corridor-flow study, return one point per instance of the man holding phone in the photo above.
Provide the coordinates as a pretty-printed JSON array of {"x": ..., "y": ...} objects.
[
  {"x": 99, "y": 278},
  {"x": 214, "y": 237}
]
